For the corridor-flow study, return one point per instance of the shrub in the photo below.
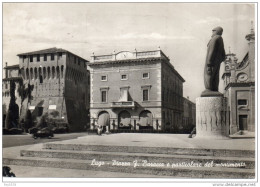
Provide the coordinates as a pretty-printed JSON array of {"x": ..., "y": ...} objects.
[{"x": 6, "y": 131}]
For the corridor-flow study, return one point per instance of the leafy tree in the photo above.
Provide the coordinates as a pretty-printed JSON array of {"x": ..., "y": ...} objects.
[
  {"x": 25, "y": 92},
  {"x": 12, "y": 115}
]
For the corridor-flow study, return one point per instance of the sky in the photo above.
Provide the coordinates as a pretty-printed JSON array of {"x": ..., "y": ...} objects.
[{"x": 182, "y": 30}]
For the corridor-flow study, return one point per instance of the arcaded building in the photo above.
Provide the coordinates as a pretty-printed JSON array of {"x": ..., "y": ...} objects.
[
  {"x": 60, "y": 86},
  {"x": 239, "y": 80},
  {"x": 135, "y": 90}
]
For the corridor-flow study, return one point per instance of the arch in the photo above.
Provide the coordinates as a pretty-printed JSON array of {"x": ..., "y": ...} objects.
[
  {"x": 145, "y": 118},
  {"x": 124, "y": 119},
  {"x": 103, "y": 118},
  {"x": 44, "y": 73},
  {"x": 53, "y": 72},
  {"x": 35, "y": 73},
  {"x": 58, "y": 72},
  {"x": 49, "y": 72}
]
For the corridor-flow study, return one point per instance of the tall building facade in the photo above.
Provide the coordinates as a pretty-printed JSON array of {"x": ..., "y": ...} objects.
[
  {"x": 135, "y": 90},
  {"x": 239, "y": 81},
  {"x": 60, "y": 86}
]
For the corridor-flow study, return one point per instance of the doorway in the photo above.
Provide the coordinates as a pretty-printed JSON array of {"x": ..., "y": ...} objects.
[{"x": 242, "y": 122}]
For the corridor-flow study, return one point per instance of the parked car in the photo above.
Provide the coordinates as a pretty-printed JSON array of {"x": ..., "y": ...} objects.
[
  {"x": 33, "y": 130},
  {"x": 43, "y": 133}
]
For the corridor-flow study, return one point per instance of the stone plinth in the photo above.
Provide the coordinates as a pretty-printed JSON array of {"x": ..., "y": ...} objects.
[{"x": 212, "y": 118}]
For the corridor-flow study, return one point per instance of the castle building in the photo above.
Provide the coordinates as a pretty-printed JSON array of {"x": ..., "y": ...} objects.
[
  {"x": 60, "y": 86},
  {"x": 239, "y": 82},
  {"x": 135, "y": 91}
]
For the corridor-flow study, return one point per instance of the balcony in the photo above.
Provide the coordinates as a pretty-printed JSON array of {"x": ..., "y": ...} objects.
[{"x": 123, "y": 104}]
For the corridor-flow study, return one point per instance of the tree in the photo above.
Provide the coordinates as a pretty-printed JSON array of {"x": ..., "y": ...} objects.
[
  {"x": 25, "y": 92},
  {"x": 12, "y": 115}
]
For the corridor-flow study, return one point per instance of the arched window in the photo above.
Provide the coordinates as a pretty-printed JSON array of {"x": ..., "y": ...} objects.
[
  {"x": 35, "y": 73},
  {"x": 53, "y": 72}
]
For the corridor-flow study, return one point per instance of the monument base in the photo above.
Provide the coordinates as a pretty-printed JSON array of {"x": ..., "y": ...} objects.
[{"x": 212, "y": 118}]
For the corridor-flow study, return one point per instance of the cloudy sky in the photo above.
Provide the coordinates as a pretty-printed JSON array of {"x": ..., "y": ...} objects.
[{"x": 182, "y": 30}]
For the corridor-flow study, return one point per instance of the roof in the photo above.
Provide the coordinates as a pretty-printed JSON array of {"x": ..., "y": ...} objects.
[
  {"x": 48, "y": 51},
  {"x": 44, "y": 51},
  {"x": 124, "y": 61},
  {"x": 243, "y": 63},
  {"x": 12, "y": 67}
]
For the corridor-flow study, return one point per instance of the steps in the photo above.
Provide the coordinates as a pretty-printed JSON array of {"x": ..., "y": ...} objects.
[{"x": 158, "y": 161}]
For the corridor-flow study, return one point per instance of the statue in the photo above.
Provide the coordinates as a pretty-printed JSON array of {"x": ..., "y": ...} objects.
[{"x": 215, "y": 55}]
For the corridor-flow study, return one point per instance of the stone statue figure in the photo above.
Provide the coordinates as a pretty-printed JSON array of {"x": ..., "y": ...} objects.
[{"x": 215, "y": 55}]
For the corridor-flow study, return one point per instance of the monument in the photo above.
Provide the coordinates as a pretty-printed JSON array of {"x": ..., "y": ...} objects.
[{"x": 211, "y": 111}]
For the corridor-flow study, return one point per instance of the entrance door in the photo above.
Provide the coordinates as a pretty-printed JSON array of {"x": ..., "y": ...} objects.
[{"x": 242, "y": 122}]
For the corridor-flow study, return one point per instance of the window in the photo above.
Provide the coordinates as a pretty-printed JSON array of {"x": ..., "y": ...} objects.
[
  {"x": 145, "y": 75},
  {"x": 52, "y": 56},
  {"x": 24, "y": 57},
  {"x": 38, "y": 58},
  {"x": 45, "y": 57},
  {"x": 60, "y": 55},
  {"x": 103, "y": 96},
  {"x": 6, "y": 86},
  {"x": 145, "y": 94},
  {"x": 242, "y": 102},
  {"x": 103, "y": 78},
  {"x": 31, "y": 58},
  {"x": 78, "y": 61},
  {"x": 123, "y": 77}
]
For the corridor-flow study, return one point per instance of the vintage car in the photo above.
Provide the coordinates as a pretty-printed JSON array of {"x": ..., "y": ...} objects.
[{"x": 43, "y": 133}]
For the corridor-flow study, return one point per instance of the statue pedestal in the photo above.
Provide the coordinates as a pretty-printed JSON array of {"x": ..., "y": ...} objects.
[{"x": 212, "y": 118}]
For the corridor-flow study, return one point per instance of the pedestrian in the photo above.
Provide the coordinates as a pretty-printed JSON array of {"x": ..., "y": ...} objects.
[{"x": 99, "y": 129}]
